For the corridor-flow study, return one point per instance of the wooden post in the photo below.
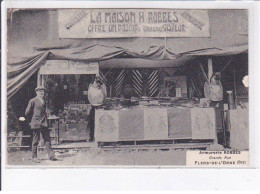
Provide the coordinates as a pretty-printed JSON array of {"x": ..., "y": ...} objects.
[
  {"x": 235, "y": 87},
  {"x": 210, "y": 73},
  {"x": 39, "y": 79},
  {"x": 110, "y": 91},
  {"x": 210, "y": 68}
]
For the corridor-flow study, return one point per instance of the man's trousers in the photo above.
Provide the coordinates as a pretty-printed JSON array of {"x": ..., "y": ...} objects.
[
  {"x": 47, "y": 140},
  {"x": 91, "y": 123}
]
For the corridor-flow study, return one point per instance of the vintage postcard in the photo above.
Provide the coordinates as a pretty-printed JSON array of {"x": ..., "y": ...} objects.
[{"x": 127, "y": 87}]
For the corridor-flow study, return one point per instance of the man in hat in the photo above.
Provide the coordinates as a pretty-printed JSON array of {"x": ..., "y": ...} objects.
[{"x": 37, "y": 114}]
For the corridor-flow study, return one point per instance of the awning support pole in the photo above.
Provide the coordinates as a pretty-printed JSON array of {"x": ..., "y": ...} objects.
[
  {"x": 235, "y": 86},
  {"x": 39, "y": 80},
  {"x": 210, "y": 73},
  {"x": 210, "y": 68}
]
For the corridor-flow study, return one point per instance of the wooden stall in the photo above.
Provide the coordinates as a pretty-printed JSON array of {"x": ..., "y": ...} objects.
[{"x": 144, "y": 66}]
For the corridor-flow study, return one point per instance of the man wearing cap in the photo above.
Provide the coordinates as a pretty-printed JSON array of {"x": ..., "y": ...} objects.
[{"x": 37, "y": 114}]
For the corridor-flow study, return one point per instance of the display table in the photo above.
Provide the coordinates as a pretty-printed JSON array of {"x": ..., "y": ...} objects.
[{"x": 158, "y": 123}]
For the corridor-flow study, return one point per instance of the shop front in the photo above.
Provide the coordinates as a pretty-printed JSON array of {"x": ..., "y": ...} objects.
[
  {"x": 143, "y": 104},
  {"x": 155, "y": 85}
]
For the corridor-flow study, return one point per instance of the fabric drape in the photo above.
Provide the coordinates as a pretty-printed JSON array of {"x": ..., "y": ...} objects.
[{"x": 33, "y": 37}]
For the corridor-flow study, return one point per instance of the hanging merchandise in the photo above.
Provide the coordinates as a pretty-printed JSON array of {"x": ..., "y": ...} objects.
[
  {"x": 153, "y": 83},
  {"x": 137, "y": 81},
  {"x": 103, "y": 77},
  {"x": 178, "y": 90},
  {"x": 65, "y": 82},
  {"x": 231, "y": 103},
  {"x": 72, "y": 87},
  {"x": 83, "y": 85},
  {"x": 119, "y": 83}
]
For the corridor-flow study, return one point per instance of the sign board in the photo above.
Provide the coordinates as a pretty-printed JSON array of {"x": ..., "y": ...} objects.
[
  {"x": 52, "y": 67},
  {"x": 155, "y": 124},
  {"x": 115, "y": 23},
  {"x": 106, "y": 126},
  {"x": 203, "y": 123}
]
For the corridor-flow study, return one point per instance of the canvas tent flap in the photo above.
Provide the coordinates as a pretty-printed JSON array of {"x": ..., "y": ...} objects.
[
  {"x": 16, "y": 79},
  {"x": 33, "y": 37}
]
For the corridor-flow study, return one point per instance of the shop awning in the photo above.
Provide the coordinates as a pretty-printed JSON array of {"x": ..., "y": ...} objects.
[{"x": 33, "y": 38}]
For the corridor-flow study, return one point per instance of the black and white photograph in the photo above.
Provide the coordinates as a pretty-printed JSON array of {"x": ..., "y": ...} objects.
[{"x": 133, "y": 87}]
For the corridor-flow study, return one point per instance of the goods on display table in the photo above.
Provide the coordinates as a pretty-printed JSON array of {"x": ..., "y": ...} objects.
[
  {"x": 67, "y": 83},
  {"x": 74, "y": 122}
]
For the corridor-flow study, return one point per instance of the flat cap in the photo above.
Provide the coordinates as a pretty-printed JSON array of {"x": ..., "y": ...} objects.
[
  {"x": 98, "y": 78},
  {"x": 217, "y": 76},
  {"x": 40, "y": 88}
]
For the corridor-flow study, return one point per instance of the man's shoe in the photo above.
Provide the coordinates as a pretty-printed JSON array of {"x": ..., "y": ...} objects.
[
  {"x": 55, "y": 159},
  {"x": 36, "y": 160}
]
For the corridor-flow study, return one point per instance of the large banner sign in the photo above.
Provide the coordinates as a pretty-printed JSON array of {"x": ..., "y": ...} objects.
[{"x": 115, "y": 23}]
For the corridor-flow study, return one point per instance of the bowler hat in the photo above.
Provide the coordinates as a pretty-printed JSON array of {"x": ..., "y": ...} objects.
[{"x": 40, "y": 88}]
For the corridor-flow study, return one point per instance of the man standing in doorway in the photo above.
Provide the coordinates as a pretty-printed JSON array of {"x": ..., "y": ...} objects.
[{"x": 37, "y": 114}]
